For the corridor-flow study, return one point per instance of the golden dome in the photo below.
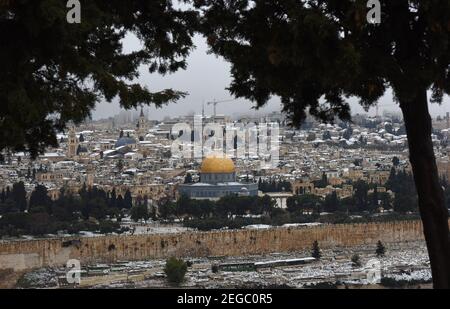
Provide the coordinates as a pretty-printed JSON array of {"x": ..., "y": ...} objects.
[{"x": 217, "y": 165}]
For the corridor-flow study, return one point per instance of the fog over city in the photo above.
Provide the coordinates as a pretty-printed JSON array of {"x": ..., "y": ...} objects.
[{"x": 205, "y": 79}]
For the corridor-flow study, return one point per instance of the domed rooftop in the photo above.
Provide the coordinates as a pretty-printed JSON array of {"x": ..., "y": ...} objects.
[
  {"x": 217, "y": 165},
  {"x": 126, "y": 140}
]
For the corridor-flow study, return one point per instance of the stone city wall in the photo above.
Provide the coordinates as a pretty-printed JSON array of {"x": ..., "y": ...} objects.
[{"x": 20, "y": 255}]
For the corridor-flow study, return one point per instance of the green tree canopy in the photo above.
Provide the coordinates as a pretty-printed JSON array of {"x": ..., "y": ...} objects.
[
  {"x": 39, "y": 198},
  {"x": 54, "y": 72},
  {"x": 175, "y": 271},
  {"x": 19, "y": 196},
  {"x": 128, "y": 200},
  {"x": 138, "y": 212}
]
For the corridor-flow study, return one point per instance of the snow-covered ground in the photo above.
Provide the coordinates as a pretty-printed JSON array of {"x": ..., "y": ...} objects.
[{"x": 406, "y": 262}]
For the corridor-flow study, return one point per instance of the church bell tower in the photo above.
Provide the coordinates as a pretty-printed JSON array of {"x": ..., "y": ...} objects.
[{"x": 72, "y": 143}]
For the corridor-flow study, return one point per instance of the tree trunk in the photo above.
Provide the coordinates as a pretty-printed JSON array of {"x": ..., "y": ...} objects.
[{"x": 432, "y": 207}]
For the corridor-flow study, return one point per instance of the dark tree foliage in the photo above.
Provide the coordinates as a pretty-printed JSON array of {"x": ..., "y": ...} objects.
[
  {"x": 53, "y": 72},
  {"x": 314, "y": 54},
  {"x": 331, "y": 203},
  {"x": 321, "y": 183},
  {"x": 381, "y": 250},
  {"x": 140, "y": 211},
  {"x": 223, "y": 208},
  {"x": 19, "y": 196},
  {"x": 402, "y": 184},
  {"x": 39, "y": 199},
  {"x": 395, "y": 161},
  {"x": 128, "y": 200},
  {"x": 356, "y": 260},
  {"x": 65, "y": 214},
  {"x": 274, "y": 186},
  {"x": 188, "y": 178},
  {"x": 175, "y": 271},
  {"x": 119, "y": 202},
  {"x": 304, "y": 202},
  {"x": 315, "y": 251}
]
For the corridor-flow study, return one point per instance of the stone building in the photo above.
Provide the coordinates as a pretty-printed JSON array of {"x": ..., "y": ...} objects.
[{"x": 301, "y": 187}]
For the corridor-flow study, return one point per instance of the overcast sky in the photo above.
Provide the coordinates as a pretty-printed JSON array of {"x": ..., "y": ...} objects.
[{"x": 205, "y": 79}]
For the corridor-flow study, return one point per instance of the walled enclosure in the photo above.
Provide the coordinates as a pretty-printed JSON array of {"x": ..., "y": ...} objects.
[{"x": 27, "y": 254}]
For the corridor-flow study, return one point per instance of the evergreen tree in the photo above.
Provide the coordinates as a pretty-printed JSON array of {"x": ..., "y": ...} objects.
[
  {"x": 167, "y": 209},
  {"x": 375, "y": 199},
  {"x": 139, "y": 211},
  {"x": 39, "y": 199},
  {"x": 188, "y": 178},
  {"x": 303, "y": 202},
  {"x": 361, "y": 195},
  {"x": 183, "y": 205},
  {"x": 331, "y": 203},
  {"x": 267, "y": 204},
  {"x": 19, "y": 196},
  {"x": 381, "y": 250},
  {"x": 8, "y": 193},
  {"x": 315, "y": 252},
  {"x": 128, "y": 200},
  {"x": 46, "y": 62},
  {"x": 120, "y": 203},
  {"x": 279, "y": 47},
  {"x": 175, "y": 271},
  {"x": 83, "y": 191},
  {"x": 356, "y": 261},
  {"x": 324, "y": 180},
  {"x": 113, "y": 199},
  {"x": 395, "y": 161}
]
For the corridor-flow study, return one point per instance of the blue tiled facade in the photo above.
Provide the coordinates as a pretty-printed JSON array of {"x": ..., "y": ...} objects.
[{"x": 217, "y": 185}]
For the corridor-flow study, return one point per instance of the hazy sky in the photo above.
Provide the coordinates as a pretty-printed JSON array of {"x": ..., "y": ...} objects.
[{"x": 205, "y": 79}]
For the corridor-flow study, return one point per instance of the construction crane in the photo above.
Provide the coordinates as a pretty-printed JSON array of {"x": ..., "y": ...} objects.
[{"x": 215, "y": 102}]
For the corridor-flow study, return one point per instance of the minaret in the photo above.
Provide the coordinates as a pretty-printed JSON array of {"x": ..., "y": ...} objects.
[{"x": 72, "y": 143}]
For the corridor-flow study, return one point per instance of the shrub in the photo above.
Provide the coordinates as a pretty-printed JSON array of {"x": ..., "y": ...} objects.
[
  {"x": 215, "y": 269},
  {"x": 315, "y": 252},
  {"x": 356, "y": 260},
  {"x": 175, "y": 271},
  {"x": 381, "y": 250}
]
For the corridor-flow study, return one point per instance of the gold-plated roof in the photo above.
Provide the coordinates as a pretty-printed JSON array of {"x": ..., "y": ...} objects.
[{"x": 217, "y": 165}]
